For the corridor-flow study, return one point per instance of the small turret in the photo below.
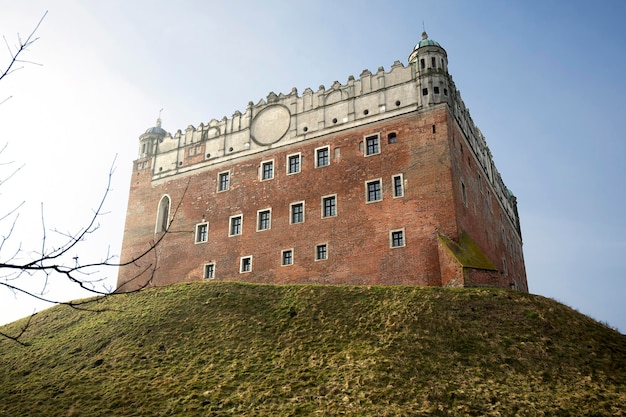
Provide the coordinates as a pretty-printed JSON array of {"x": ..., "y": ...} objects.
[
  {"x": 149, "y": 140},
  {"x": 430, "y": 63}
]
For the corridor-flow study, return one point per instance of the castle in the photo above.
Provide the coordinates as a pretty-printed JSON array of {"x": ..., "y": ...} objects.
[{"x": 383, "y": 180}]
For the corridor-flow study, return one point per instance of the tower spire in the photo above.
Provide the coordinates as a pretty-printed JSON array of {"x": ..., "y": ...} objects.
[{"x": 158, "y": 123}]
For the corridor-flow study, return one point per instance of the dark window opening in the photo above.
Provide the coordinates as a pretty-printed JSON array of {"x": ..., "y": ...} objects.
[
  {"x": 329, "y": 206},
  {"x": 372, "y": 145},
  {"x": 374, "y": 192},
  {"x": 321, "y": 252},
  {"x": 397, "y": 239}
]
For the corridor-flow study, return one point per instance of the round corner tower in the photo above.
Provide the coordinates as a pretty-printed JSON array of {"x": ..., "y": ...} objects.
[{"x": 429, "y": 61}]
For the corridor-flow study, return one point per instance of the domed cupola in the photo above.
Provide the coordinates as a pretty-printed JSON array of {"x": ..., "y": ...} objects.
[
  {"x": 430, "y": 64},
  {"x": 149, "y": 140}
]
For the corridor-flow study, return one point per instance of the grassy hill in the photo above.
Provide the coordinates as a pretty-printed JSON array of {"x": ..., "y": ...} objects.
[{"x": 261, "y": 350}]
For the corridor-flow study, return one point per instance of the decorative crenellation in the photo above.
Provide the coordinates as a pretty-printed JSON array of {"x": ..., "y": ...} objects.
[
  {"x": 481, "y": 150},
  {"x": 286, "y": 119}
]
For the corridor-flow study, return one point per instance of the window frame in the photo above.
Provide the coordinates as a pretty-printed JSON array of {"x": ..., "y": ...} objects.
[
  {"x": 392, "y": 239},
  {"x": 318, "y": 251},
  {"x": 288, "y": 163},
  {"x": 230, "y": 225},
  {"x": 262, "y": 171},
  {"x": 163, "y": 214},
  {"x": 268, "y": 220},
  {"x": 205, "y": 270},
  {"x": 334, "y": 207},
  {"x": 395, "y": 186},
  {"x": 317, "y": 157},
  {"x": 379, "y": 191},
  {"x": 290, "y": 258},
  {"x": 291, "y": 212},
  {"x": 220, "y": 175},
  {"x": 243, "y": 261},
  {"x": 366, "y": 142},
  {"x": 198, "y": 233}
]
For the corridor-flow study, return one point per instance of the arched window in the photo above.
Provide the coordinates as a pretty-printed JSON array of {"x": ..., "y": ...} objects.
[{"x": 163, "y": 214}]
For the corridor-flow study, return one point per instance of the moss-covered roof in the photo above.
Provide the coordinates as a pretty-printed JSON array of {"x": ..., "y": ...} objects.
[{"x": 467, "y": 252}]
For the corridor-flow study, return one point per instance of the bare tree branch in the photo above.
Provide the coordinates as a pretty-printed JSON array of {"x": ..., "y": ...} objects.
[
  {"x": 18, "y": 50},
  {"x": 54, "y": 258}
]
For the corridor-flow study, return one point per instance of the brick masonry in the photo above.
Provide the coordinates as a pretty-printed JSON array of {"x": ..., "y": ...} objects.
[
  {"x": 450, "y": 188},
  {"x": 429, "y": 153}
]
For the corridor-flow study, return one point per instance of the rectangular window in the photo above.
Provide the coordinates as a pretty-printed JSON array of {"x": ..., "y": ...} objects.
[
  {"x": 264, "y": 219},
  {"x": 433, "y": 61},
  {"x": 209, "y": 271},
  {"x": 202, "y": 232},
  {"x": 392, "y": 137},
  {"x": 372, "y": 145},
  {"x": 373, "y": 191},
  {"x": 223, "y": 181},
  {"x": 245, "y": 264},
  {"x": 293, "y": 164},
  {"x": 424, "y": 91},
  {"x": 321, "y": 252},
  {"x": 436, "y": 90},
  {"x": 422, "y": 63},
  {"x": 398, "y": 186},
  {"x": 396, "y": 238},
  {"x": 287, "y": 257},
  {"x": 297, "y": 212},
  {"x": 267, "y": 170},
  {"x": 463, "y": 194},
  {"x": 235, "y": 225},
  {"x": 322, "y": 157},
  {"x": 329, "y": 206}
]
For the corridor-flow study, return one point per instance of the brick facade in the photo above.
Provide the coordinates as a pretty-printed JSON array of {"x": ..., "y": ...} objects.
[{"x": 427, "y": 177}]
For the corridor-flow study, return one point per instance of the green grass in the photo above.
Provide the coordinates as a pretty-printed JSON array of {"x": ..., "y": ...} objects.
[{"x": 261, "y": 350}]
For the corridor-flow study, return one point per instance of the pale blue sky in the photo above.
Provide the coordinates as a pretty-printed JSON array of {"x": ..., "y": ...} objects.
[{"x": 544, "y": 81}]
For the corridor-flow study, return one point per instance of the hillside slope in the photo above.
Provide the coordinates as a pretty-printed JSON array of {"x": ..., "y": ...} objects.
[{"x": 254, "y": 350}]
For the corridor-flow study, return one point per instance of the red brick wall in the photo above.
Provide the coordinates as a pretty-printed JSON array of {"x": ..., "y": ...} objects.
[
  {"x": 357, "y": 238},
  {"x": 486, "y": 222}
]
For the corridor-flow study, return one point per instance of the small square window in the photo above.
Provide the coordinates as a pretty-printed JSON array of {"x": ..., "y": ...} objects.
[
  {"x": 267, "y": 170},
  {"x": 372, "y": 145},
  {"x": 297, "y": 212},
  {"x": 396, "y": 238},
  {"x": 202, "y": 232},
  {"x": 245, "y": 264},
  {"x": 287, "y": 257},
  {"x": 209, "y": 271},
  {"x": 392, "y": 137},
  {"x": 223, "y": 181},
  {"x": 293, "y": 164},
  {"x": 373, "y": 191},
  {"x": 398, "y": 186},
  {"x": 436, "y": 90},
  {"x": 424, "y": 91},
  {"x": 322, "y": 157},
  {"x": 321, "y": 252},
  {"x": 235, "y": 225},
  {"x": 264, "y": 219},
  {"x": 329, "y": 206}
]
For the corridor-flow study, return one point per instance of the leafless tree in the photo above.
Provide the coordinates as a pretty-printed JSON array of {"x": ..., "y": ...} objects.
[{"x": 53, "y": 260}]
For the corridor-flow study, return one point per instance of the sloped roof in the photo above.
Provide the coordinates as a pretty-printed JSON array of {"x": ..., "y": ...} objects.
[{"x": 467, "y": 252}]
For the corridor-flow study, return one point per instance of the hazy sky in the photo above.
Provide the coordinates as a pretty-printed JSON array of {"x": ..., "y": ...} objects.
[{"x": 544, "y": 81}]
